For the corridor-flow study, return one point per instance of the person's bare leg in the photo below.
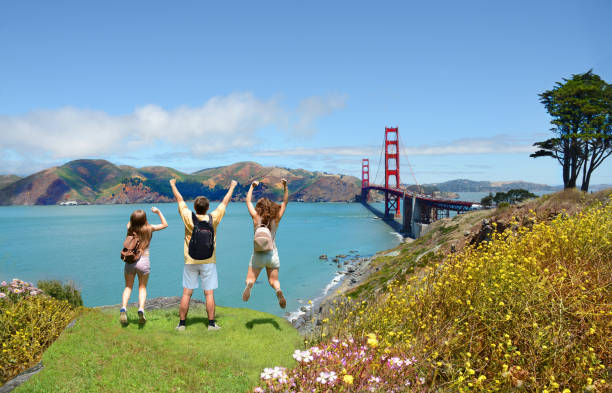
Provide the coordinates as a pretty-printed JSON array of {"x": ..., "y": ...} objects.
[
  {"x": 274, "y": 283},
  {"x": 251, "y": 277},
  {"x": 210, "y": 304},
  {"x": 184, "y": 306},
  {"x": 129, "y": 283},
  {"x": 142, "y": 296},
  {"x": 142, "y": 290}
]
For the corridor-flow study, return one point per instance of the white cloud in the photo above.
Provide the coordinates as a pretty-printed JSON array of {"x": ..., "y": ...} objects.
[
  {"x": 312, "y": 108},
  {"x": 499, "y": 144},
  {"x": 220, "y": 124}
]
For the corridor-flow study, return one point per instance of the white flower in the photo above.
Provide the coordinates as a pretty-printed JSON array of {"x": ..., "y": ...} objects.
[
  {"x": 395, "y": 362},
  {"x": 267, "y": 373},
  {"x": 374, "y": 379},
  {"x": 2, "y": 294},
  {"x": 302, "y": 356},
  {"x": 278, "y": 372},
  {"x": 325, "y": 377}
]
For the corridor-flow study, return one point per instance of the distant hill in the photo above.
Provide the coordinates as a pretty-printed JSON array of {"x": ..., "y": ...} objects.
[
  {"x": 5, "y": 180},
  {"x": 101, "y": 182},
  {"x": 465, "y": 185}
]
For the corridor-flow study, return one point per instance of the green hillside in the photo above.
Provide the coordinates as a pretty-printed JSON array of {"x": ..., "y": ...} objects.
[{"x": 101, "y": 182}]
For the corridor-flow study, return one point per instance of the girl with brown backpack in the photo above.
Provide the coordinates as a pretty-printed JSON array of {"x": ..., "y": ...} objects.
[
  {"x": 266, "y": 216},
  {"x": 140, "y": 228}
]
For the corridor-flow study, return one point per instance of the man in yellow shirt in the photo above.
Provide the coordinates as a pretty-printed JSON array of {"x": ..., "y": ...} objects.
[{"x": 202, "y": 270}]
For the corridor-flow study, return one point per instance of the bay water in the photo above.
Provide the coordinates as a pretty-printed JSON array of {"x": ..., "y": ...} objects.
[{"x": 82, "y": 244}]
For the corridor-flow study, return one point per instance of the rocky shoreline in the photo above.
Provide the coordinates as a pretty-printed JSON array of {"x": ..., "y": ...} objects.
[{"x": 356, "y": 269}]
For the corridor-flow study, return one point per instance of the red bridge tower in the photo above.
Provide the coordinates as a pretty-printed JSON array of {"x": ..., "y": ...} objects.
[
  {"x": 365, "y": 173},
  {"x": 392, "y": 202}
]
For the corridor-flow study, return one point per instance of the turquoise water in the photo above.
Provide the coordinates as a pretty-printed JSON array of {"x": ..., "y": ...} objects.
[{"x": 82, "y": 244}]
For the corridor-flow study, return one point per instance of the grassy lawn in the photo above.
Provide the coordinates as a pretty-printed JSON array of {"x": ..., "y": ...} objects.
[{"x": 99, "y": 355}]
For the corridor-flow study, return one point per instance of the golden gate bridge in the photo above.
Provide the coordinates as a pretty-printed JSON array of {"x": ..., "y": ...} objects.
[{"x": 418, "y": 210}]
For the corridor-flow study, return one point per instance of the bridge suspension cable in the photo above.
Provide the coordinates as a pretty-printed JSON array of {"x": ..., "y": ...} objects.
[
  {"x": 405, "y": 157},
  {"x": 382, "y": 148}
]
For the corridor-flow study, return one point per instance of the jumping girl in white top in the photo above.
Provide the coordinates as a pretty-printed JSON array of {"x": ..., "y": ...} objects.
[{"x": 266, "y": 214}]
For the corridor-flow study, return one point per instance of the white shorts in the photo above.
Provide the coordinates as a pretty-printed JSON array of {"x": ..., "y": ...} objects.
[
  {"x": 267, "y": 259},
  {"x": 206, "y": 272}
]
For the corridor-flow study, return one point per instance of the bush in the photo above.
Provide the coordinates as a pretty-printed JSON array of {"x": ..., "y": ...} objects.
[
  {"x": 29, "y": 323},
  {"x": 345, "y": 365},
  {"x": 67, "y": 292},
  {"x": 529, "y": 310}
]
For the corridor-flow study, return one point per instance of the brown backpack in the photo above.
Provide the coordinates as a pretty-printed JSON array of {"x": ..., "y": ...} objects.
[{"x": 131, "y": 248}]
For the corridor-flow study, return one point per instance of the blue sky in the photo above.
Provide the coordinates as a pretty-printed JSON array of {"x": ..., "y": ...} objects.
[{"x": 298, "y": 84}]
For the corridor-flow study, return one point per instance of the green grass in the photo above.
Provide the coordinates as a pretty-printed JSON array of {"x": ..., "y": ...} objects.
[{"x": 99, "y": 355}]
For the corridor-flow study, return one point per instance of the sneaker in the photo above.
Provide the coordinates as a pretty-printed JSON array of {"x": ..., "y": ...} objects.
[
  {"x": 141, "y": 317},
  {"x": 180, "y": 328},
  {"x": 281, "y": 299},
  {"x": 123, "y": 316},
  {"x": 215, "y": 327},
  {"x": 247, "y": 292}
]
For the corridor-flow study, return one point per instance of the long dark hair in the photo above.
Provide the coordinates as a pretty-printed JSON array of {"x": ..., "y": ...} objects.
[
  {"x": 267, "y": 210},
  {"x": 140, "y": 226}
]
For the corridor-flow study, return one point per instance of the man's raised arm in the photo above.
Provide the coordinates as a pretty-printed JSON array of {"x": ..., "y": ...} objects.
[
  {"x": 228, "y": 196},
  {"x": 175, "y": 191}
]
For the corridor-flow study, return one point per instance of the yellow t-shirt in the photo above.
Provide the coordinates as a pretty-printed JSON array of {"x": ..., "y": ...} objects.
[{"x": 185, "y": 214}]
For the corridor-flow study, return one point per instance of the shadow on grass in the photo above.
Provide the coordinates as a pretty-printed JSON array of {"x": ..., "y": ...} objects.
[
  {"x": 133, "y": 321},
  {"x": 262, "y": 321},
  {"x": 197, "y": 321}
]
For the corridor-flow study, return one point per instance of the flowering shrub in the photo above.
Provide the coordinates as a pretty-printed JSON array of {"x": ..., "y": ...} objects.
[
  {"x": 29, "y": 322},
  {"x": 17, "y": 289},
  {"x": 67, "y": 291},
  {"x": 531, "y": 310},
  {"x": 344, "y": 366}
]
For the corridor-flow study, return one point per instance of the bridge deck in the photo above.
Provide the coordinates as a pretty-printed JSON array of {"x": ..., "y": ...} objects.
[{"x": 449, "y": 204}]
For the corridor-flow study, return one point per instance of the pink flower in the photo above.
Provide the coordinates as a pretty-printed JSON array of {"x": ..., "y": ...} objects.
[
  {"x": 17, "y": 290},
  {"x": 3, "y": 284},
  {"x": 2, "y": 294}
]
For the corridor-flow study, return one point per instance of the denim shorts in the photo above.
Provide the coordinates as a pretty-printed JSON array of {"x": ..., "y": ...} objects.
[{"x": 203, "y": 273}]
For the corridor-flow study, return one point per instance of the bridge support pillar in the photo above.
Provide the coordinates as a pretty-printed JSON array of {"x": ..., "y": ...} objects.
[
  {"x": 365, "y": 193},
  {"x": 415, "y": 217},
  {"x": 407, "y": 215}
]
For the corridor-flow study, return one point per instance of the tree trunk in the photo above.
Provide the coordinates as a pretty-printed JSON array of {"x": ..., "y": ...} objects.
[
  {"x": 586, "y": 179},
  {"x": 566, "y": 171}
]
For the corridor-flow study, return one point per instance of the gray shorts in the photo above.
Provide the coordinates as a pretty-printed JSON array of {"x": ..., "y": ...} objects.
[
  {"x": 267, "y": 259},
  {"x": 204, "y": 273},
  {"x": 143, "y": 266}
]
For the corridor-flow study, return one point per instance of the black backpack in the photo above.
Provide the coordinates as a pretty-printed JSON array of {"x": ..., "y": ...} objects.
[{"x": 202, "y": 243}]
